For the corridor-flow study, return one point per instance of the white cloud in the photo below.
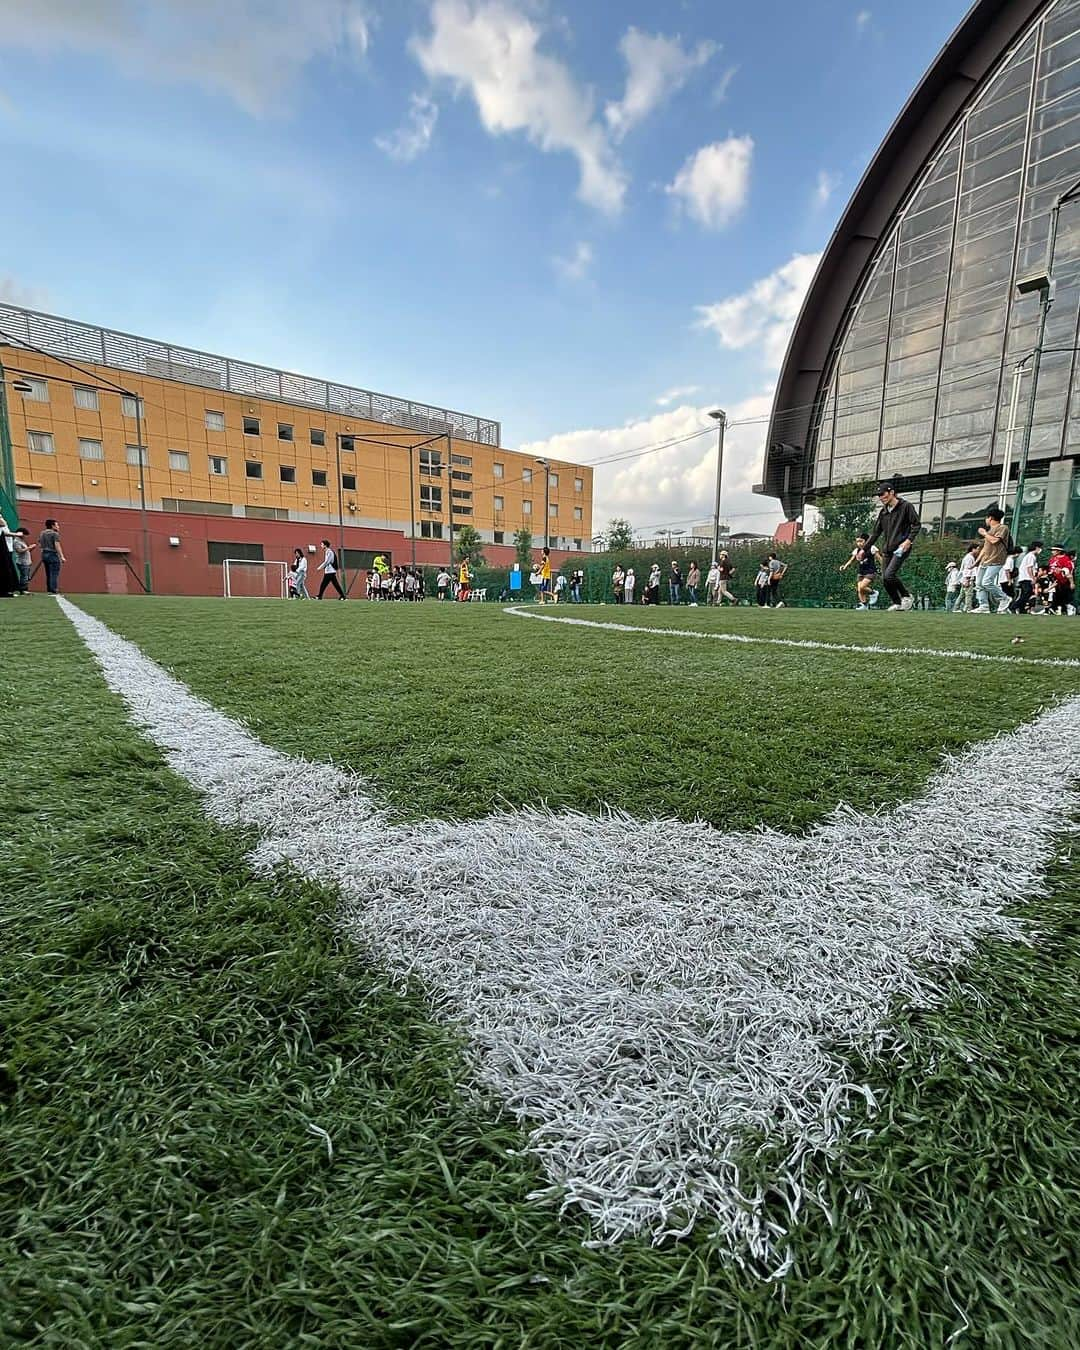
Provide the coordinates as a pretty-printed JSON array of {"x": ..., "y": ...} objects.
[
  {"x": 669, "y": 396},
  {"x": 714, "y": 182},
  {"x": 490, "y": 49},
  {"x": 250, "y": 50},
  {"x": 720, "y": 93},
  {"x": 862, "y": 20},
  {"x": 764, "y": 315},
  {"x": 675, "y": 486},
  {"x": 413, "y": 137},
  {"x": 576, "y": 267},
  {"x": 657, "y": 68},
  {"x": 14, "y": 292},
  {"x": 826, "y": 185}
]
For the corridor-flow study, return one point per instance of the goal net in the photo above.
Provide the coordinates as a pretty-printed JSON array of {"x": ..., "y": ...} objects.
[{"x": 255, "y": 580}]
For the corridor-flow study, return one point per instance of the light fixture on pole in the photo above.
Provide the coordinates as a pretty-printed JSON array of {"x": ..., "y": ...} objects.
[
  {"x": 720, "y": 418},
  {"x": 1039, "y": 283}
]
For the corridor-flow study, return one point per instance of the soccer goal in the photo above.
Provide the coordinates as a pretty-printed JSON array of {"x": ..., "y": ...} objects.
[{"x": 255, "y": 580}]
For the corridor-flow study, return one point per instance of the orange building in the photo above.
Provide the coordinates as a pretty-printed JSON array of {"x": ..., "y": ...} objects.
[{"x": 175, "y": 450}]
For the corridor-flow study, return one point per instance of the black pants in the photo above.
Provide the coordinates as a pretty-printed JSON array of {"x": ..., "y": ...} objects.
[
  {"x": 763, "y": 593},
  {"x": 891, "y": 580},
  {"x": 774, "y": 592},
  {"x": 1063, "y": 597},
  {"x": 330, "y": 579},
  {"x": 1023, "y": 598}
]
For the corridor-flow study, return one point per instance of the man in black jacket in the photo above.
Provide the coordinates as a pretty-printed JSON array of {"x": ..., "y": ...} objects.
[{"x": 897, "y": 527}]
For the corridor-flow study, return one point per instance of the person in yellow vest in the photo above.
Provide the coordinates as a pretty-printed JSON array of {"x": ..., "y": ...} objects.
[
  {"x": 464, "y": 580},
  {"x": 381, "y": 566},
  {"x": 545, "y": 577}
]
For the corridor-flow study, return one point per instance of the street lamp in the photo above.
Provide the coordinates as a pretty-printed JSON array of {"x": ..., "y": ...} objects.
[
  {"x": 720, "y": 418},
  {"x": 547, "y": 497},
  {"x": 1040, "y": 283}
]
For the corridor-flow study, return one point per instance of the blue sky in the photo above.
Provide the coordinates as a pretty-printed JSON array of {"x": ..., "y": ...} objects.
[{"x": 558, "y": 215}]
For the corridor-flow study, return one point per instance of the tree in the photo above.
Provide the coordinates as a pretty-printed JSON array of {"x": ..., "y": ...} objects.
[
  {"x": 469, "y": 547},
  {"x": 847, "y": 509},
  {"x": 620, "y": 534},
  {"x": 523, "y": 547}
]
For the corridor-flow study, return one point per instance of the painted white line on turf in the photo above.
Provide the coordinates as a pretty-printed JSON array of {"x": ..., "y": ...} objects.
[
  {"x": 644, "y": 996},
  {"x": 806, "y": 643}
]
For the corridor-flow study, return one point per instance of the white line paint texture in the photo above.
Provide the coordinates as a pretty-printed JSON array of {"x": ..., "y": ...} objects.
[
  {"x": 807, "y": 644},
  {"x": 646, "y": 997}
]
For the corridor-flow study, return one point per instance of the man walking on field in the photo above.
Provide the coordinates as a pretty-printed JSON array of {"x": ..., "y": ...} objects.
[
  {"x": 897, "y": 526},
  {"x": 994, "y": 551}
]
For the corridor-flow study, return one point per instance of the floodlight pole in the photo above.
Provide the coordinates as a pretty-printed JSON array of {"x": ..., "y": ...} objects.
[
  {"x": 720, "y": 418},
  {"x": 341, "y": 516},
  {"x": 412, "y": 502},
  {"x": 450, "y": 497},
  {"x": 144, "y": 464},
  {"x": 547, "y": 498}
]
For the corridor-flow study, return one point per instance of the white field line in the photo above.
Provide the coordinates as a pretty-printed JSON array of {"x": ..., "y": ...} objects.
[
  {"x": 809, "y": 644},
  {"x": 646, "y": 996}
]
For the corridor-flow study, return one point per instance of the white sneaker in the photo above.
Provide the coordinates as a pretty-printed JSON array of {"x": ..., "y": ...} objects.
[
  {"x": 980, "y": 609},
  {"x": 860, "y": 606},
  {"x": 1003, "y": 608},
  {"x": 907, "y": 602},
  {"x": 892, "y": 607},
  {"x": 779, "y": 604}
]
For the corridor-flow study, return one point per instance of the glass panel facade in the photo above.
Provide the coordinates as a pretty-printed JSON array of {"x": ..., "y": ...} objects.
[{"x": 921, "y": 377}]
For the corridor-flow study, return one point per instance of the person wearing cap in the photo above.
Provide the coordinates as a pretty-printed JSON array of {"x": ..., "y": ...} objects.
[{"x": 897, "y": 526}]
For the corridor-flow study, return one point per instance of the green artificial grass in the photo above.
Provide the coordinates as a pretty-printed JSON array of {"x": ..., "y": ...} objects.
[{"x": 177, "y": 1032}]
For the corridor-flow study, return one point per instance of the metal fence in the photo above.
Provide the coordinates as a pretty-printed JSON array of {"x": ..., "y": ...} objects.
[{"x": 123, "y": 351}]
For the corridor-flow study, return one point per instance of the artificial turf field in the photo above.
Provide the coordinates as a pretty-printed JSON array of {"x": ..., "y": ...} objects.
[{"x": 174, "y": 1023}]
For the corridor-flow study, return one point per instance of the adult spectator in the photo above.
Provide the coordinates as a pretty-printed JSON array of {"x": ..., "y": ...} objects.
[
  {"x": 618, "y": 583},
  {"x": 21, "y": 549},
  {"x": 1062, "y": 569},
  {"x": 994, "y": 551},
  {"x": 897, "y": 526},
  {"x": 777, "y": 572},
  {"x": 52, "y": 555},
  {"x": 675, "y": 584},
  {"x": 1027, "y": 573},
  {"x": 576, "y": 583},
  {"x": 711, "y": 583},
  {"x": 298, "y": 576},
  {"x": 725, "y": 571},
  {"x": 652, "y": 588},
  {"x": 693, "y": 583},
  {"x": 328, "y": 567},
  {"x": 628, "y": 587}
]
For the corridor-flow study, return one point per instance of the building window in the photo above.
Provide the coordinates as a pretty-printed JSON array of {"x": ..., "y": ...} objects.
[
  {"x": 500, "y": 503},
  {"x": 553, "y": 508},
  {"x": 464, "y": 460},
  {"x": 577, "y": 545},
  {"x": 86, "y": 398},
  {"x": 218, "y": 552},
  {"x": 462, "y": 510},
  {"x": 430, "y": 498},
  {"x": 215, "y": 421},
  {"x": 526, "y": 508},
  {"x": 137, "y": 456},
  {"x": 431, "y": 462},
  {"x": 498, "y": 537},
  {"x": 348, "y": 482},
  {"x": 318, "y": 436},
  {"x": 459, "y": 495},
  {"x": 579, "y": 484},
  {"x": 347, "y": 443},
  {"x": 431, "y": 529},
  {"x": 461, "y": 476},
  {"x": 38, "y": 391},
  {"x": 318, "y": 478},
  {"x": 284, "y": 431},
  {"x": 131, "y": 406},
  {"x": 219, "y": 466},
  {"x": 553, "y": 479},
  {"x": 287, "y": 473},
  {"x": 253, "y": 468},
  {"x": 90, "y": 449},
  {"x": 179, "y": 461},
  {"x": 578, "y": 513},
  {"x": 251, "y": 426},
  {"x": 499, "y": 470}
]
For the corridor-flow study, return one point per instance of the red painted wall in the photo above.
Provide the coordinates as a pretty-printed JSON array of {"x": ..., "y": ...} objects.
[{"x": 184, "y": 569}]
